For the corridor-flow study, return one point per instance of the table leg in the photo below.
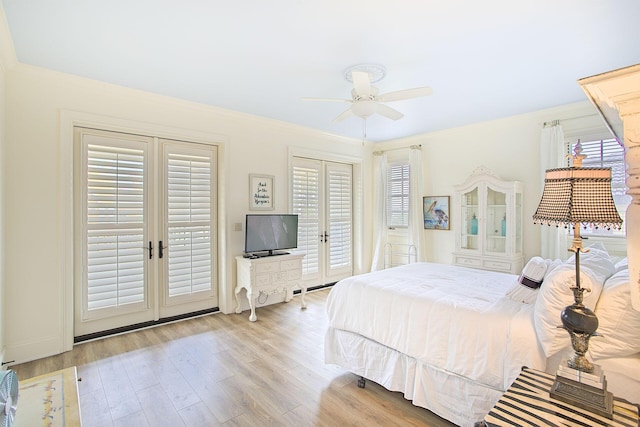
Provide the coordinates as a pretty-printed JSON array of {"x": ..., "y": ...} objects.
[
  {"x": 302, "y": 294},
  {"x": 238, "y": 309},
  {"x": 252, "y": 304}
]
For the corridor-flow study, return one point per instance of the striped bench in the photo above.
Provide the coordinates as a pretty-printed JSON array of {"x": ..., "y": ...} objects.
[{"x": 527, "y": 403}]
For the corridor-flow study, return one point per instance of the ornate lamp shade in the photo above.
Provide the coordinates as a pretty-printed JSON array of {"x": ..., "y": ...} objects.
[{"x": 578, "y": 196}]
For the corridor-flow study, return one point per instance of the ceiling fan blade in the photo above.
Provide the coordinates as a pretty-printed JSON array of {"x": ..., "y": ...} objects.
[
  {"x": 327, "y": 99},
  {"x": 344, "y": 115},
  {"x": 385, "y": 110},
  {"x": 361, "y": 83},
  {"x": 400, "y": 95}
]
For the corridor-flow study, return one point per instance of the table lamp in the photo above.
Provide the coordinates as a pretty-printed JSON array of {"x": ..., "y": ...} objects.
[{"x": 572, "y": 197}]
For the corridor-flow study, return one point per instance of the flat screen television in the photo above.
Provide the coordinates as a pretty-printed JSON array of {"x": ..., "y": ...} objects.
[{"x": 270, "y": 234}]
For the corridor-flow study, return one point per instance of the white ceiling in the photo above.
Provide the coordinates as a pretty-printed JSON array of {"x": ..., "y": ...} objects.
[{"x": 484, "y": 60}]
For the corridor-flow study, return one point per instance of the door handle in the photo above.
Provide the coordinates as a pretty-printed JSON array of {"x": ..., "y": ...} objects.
[
  {"x": 150, "y": 250},
  {"x": 161, "y": 249}
]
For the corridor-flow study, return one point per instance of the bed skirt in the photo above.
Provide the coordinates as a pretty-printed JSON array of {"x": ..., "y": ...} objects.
[{"x": 452, "y": 397}]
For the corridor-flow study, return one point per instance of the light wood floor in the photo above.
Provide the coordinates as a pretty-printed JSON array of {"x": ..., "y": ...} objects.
[{"x": 222, "y": 370}]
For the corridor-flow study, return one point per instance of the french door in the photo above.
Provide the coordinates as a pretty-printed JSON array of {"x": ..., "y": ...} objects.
[
  {"x": 145, "y": 235},
  {"x": 322, "y": 196}
]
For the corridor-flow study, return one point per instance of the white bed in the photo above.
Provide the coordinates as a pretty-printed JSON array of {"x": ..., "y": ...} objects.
[{"x": 445, "y": 336}]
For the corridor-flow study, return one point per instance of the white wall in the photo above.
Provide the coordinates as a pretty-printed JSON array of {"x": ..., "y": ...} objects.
[
  {"x": 2, "y": 226},
  {"x": 509, "y": 147},
  {"x": 37, "y": 272},
  {"x": 7, "y": 60}
]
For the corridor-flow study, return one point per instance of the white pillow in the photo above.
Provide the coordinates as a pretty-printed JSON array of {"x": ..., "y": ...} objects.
[
  {"x": 597, "y": 259},
  {"x": 554, "y": 295},
  {"x": 552, "y": 264},
  {"x": 623, "y": 264},
  {"x": 525, "y": 289},
  {"x": 619, "y": 322}
]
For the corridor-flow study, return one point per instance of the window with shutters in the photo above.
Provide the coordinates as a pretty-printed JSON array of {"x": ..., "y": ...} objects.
[
  {"x": 189, "y": 223},
  {"x": 398, "y": 195},
  {"x": 115, "y": 226},
  {"x": 607, "y": 153},
  {"x": 306, "y": 204},
  {"x": 340, "y": 211}
]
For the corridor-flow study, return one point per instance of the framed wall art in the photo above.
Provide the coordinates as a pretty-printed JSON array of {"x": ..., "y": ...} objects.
[
  {"x": 261, "y": 192},
  {"x": 436, "y": 212}
]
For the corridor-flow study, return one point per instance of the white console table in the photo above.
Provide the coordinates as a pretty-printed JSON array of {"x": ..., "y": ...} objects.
[{"x": 269, "y": 275}]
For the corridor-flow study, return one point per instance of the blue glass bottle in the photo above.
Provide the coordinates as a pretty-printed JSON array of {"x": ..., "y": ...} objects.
[
  {"x": 504, "y": 225},
  {"x": 474, "y": 225}
]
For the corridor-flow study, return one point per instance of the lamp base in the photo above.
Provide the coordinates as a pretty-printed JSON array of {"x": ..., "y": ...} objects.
[{"x": 584, "y": 390}]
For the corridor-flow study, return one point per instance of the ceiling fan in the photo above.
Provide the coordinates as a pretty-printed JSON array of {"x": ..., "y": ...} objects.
[{"x": 365, "y": 100}]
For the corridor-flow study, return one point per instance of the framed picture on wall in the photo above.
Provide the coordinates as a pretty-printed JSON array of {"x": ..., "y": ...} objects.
[
  {"x": 436, "y": 212},
  {"x": 261, "y": 192}
]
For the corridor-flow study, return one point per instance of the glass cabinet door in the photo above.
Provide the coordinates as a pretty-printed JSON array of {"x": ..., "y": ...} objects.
[
  {"x": 496, "y": 222},
  {"x": 470, "y": 211}
]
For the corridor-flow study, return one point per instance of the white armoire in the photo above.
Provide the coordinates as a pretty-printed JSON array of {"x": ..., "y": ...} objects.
[{"x": 487, "y": 215}]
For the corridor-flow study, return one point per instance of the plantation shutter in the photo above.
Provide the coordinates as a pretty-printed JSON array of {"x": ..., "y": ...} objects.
[
  {"x": 608, "y": 153},
  {"x": 398, "y": 195},
  {"x": 114, "y": 205},
  {"x": 339, "y": 184},
  {"x": 306, "y": 204},
  {"x": 189, "y": 186}
]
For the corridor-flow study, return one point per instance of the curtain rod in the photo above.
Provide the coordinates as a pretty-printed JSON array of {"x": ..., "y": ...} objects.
[
  {"x": 413, "y": 147},
  {"x": 557, "y": 122}
]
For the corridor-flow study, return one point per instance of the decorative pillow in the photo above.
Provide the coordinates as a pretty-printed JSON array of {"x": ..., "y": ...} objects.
[
  {"x": 525, "y": 289},
  {"x": 597, "y": 259},
  {"x": 554, "y": 296},
  {"x": 619, "y": 322}
]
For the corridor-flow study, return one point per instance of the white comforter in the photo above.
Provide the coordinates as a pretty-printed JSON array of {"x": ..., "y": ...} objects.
[{"x": 453, "y": 318}]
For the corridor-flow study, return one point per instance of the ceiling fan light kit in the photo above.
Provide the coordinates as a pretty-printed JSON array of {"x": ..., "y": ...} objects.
[{"x": 364, "y": 108}]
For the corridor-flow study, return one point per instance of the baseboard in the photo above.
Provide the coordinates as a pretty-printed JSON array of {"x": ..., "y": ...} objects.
[
  {"x": 35, "y": 350},
  {"x": 315, "y": 288},
  {"x": 144, "y": 325}
]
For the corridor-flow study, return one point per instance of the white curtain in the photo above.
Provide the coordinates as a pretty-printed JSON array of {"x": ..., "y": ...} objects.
[
  {"x": 416, "y": 218},
  {"x": 379, "y": 209},
  {"x": 553, "y": 240}
]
